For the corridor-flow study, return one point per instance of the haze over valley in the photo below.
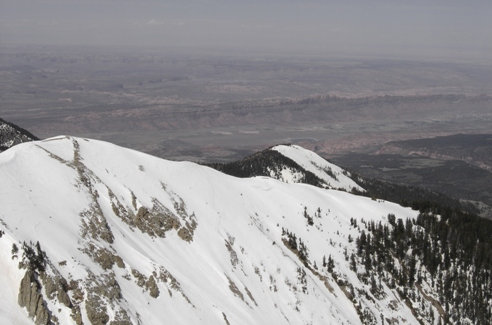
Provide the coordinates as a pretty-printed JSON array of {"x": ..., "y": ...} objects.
[{"x": 217, "y": 107}]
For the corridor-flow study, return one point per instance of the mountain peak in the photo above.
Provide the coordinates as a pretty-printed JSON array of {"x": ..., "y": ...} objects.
[
  {"x": 292, "y": 164},
  {"x": 331, "y": 176}
]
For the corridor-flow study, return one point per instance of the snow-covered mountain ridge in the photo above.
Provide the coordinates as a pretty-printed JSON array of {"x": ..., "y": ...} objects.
[
  {"x": 331, "y": 176},
  {"x": 292, "y": 164},
  {"x": 92, "y": 233}
]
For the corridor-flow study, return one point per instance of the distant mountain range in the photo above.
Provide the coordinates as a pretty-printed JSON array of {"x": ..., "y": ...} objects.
[
  {"x": 474, "y": 149},
  {"x": 93, "y": 233},
  {"x": 459, "y": 166}
]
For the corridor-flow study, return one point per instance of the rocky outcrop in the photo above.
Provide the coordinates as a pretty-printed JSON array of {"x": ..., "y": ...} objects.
[
  {"x": 96, "y": 310},
  {"x": 186, "y": 232},
  {"x": 30, "y": 297},
  {"x": 151, "y": 286},
  {"x": 103, "y": 256},
  {"x": 103, "y": 292},
  {"x": 56, "y": 286},
  {"x": 155, "y": 223}
]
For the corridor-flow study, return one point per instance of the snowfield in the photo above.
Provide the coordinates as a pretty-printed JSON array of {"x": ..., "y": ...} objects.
[
  {"x": 333, "y": 176},
  {"x": 133, "y": 238}
]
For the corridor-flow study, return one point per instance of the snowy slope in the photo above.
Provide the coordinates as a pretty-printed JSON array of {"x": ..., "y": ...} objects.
[
  {"x": 124, "y": 236},
  {"x": 11, "y": 275},
  {"x": 332, "y": 175}
]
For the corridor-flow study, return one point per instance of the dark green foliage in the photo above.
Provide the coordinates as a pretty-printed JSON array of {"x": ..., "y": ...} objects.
[
  {"x": 331, "y": 264},
  {"x": 452, "y": 248},
  {"x": 300, "y": 249},
  {"x": 309, "y": 219},
  {"x": 303, "y": 254},
  {"x": 13, "y": 132},
  {"x": 353, "y": 263},
  {"x": 35, "y": 257},
  {"x": 19, "y": 129},
  {"x": 14, "y": 250},
  {"x": 301, "y": 276},
  {"x": 353, "y": 222}
]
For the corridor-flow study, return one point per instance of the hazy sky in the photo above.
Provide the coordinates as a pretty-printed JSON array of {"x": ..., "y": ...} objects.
[{"x": 420, "y": 28}]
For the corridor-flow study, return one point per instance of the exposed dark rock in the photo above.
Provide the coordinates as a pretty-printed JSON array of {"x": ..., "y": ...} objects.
[
  {"x": 76, "y": 315},
  {"x": 232, "y": 253},
  {"x": 30, "y": 297},
  {"x": 63, "y": 297},
  {"x": 225, "y": 319},
  {"x": 134, "y": 201},
  {"x": 121, "y": 211},
  {"x": 49, "y": 285},
  {"x": 102, "y": 292},
  {"x": 235, "y": 290},
  {"x": 42, "y": 314},
  {"x": 166, "y": 277},
  {"x": 120, "y": 322},
  {"x": 96, "y": 310},
  {"x": 250, "y": 296},
  {"x": 151, "y": 285},
  {"x": 56, "y": 285},
  {"x": 77, "y": 292},
  {"x": 140, "y": 277},
  {"x": 186, "y": 232},
  {"x": 121, "y": 318},
  {"x": 94, "y": 224},
  {"x": 104, "y": 257},
  {"x": 108, "y": 287},
  {"x": 155, "y": 223}
]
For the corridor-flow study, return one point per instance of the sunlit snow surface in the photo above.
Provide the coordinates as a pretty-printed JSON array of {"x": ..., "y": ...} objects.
[
  {"x": 235, "y": 268},
  {"x": 332, "y": 175}
]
